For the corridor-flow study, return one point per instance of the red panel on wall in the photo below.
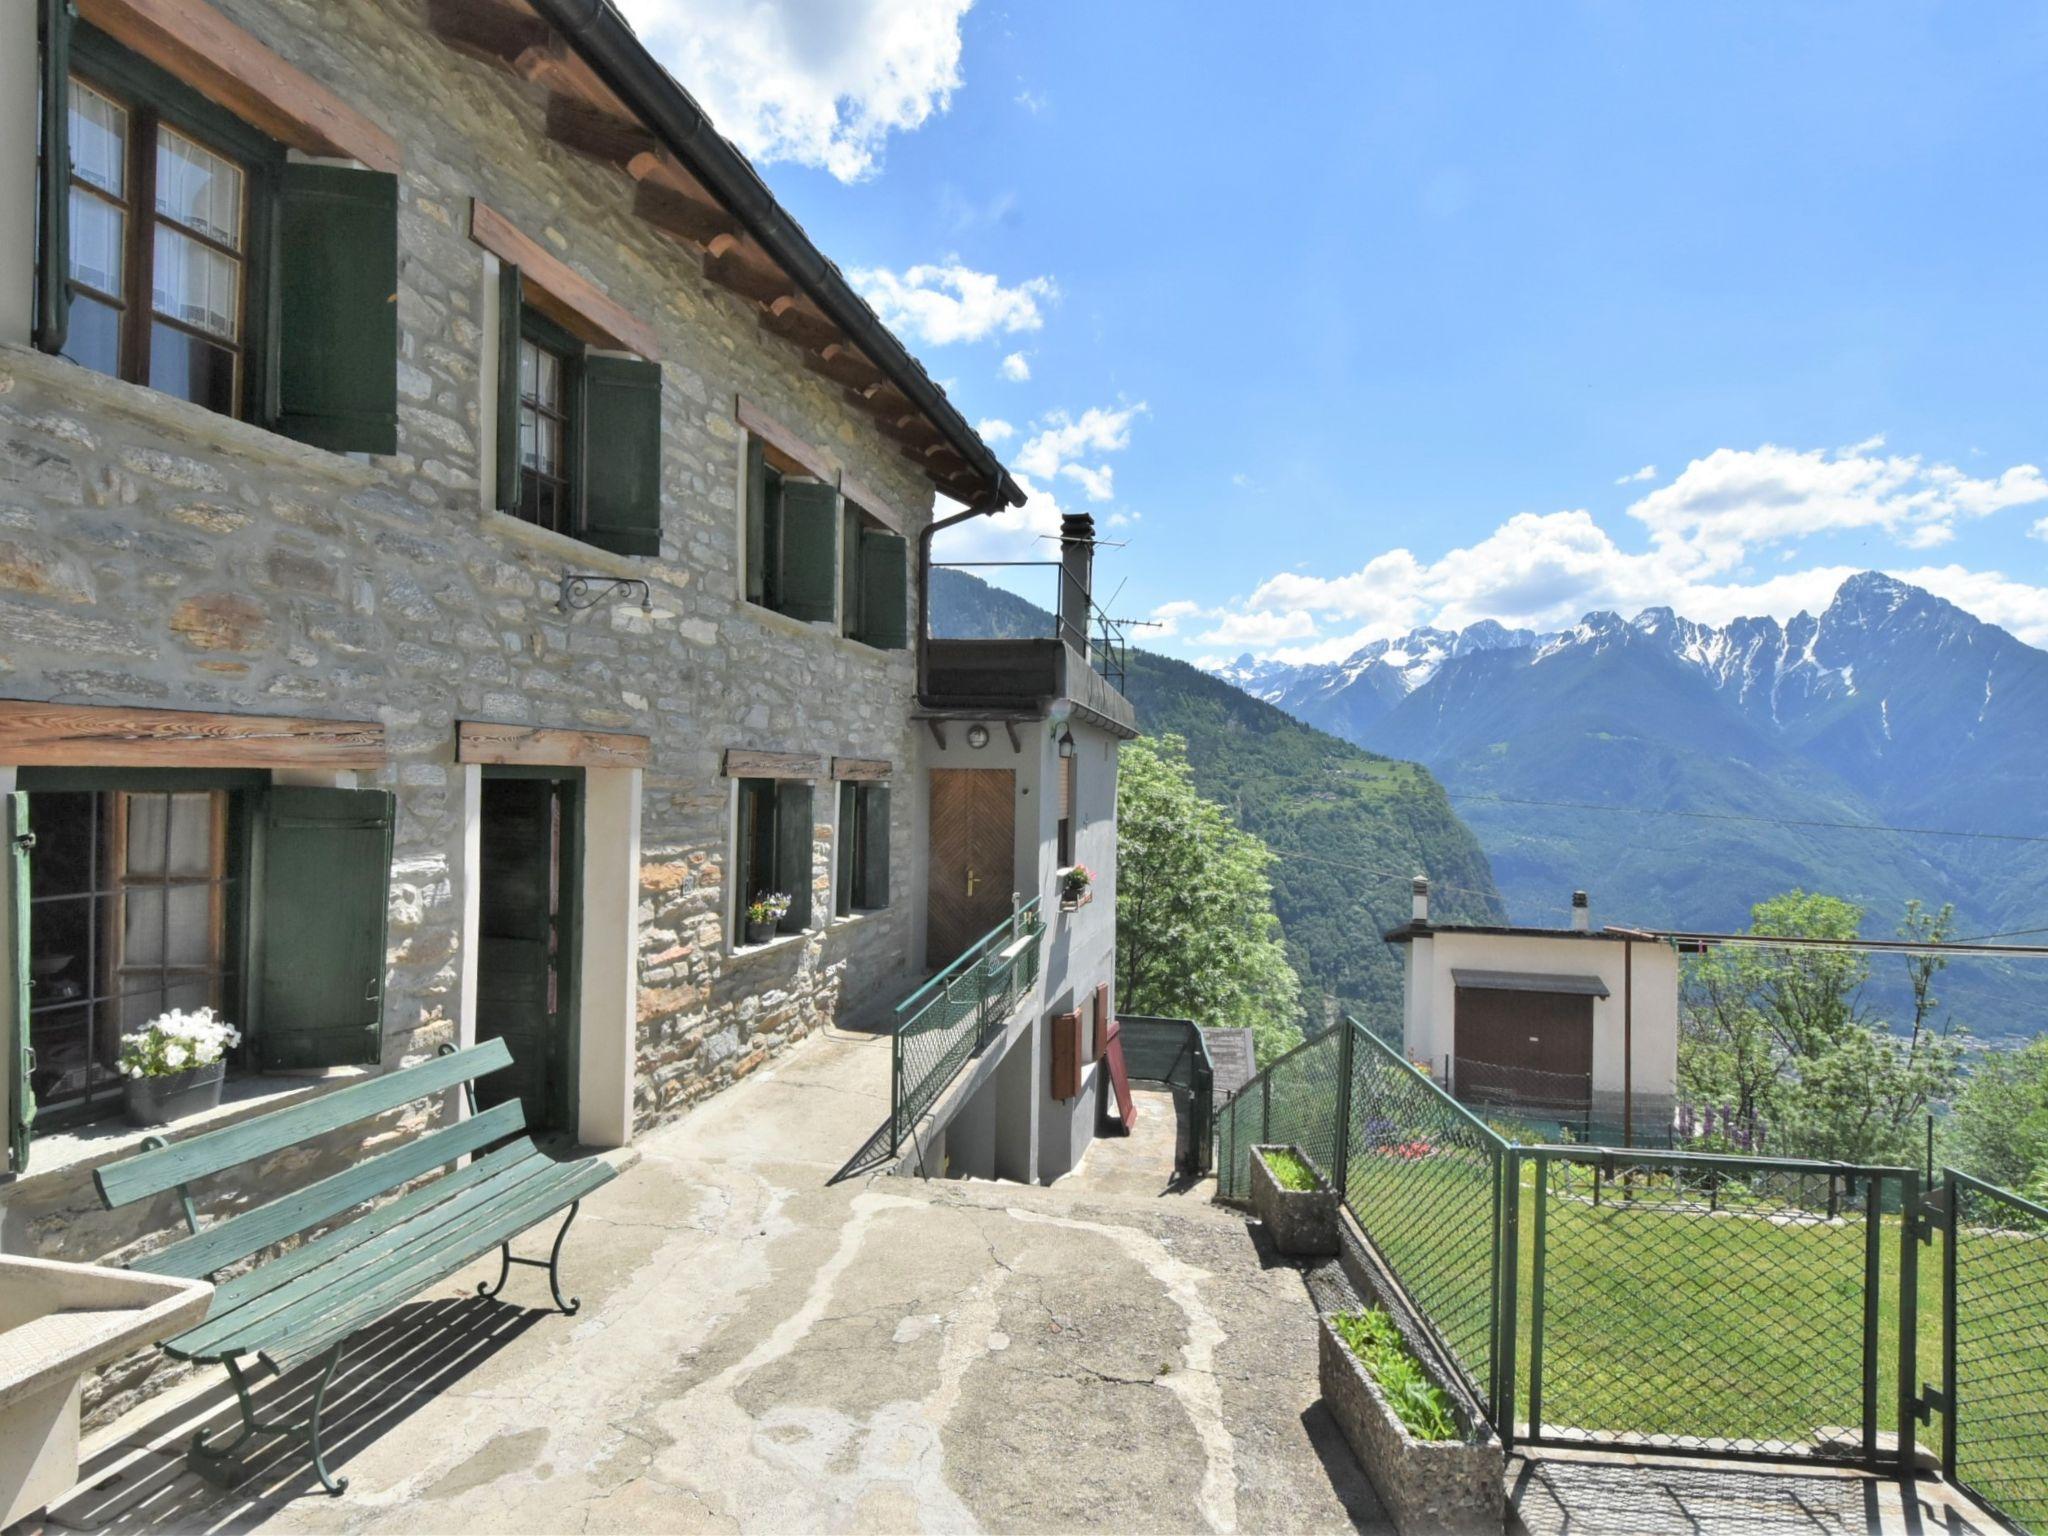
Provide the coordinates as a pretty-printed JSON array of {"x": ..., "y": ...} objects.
[{"x": 1119, "y": 1079}]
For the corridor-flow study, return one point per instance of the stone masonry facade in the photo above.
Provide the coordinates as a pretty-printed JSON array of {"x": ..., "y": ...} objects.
[{"x": 154, "y": 554}]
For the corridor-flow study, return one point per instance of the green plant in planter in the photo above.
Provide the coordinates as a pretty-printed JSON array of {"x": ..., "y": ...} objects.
[
  {"x": 1418, "y": 1402},
  {"x": 1290, "y": 1172},
  {"x": 177, "y": 1041}
]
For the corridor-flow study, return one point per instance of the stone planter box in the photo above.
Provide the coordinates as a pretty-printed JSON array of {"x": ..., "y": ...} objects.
[
  {"x": 1428, "y": 1487},
  {"x": 1302, "y": 1222},
  {"x": 160, "y": 1100}
]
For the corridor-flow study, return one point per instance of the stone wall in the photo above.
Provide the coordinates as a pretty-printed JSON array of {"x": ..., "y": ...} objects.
[{"x": 154, "y": 554}]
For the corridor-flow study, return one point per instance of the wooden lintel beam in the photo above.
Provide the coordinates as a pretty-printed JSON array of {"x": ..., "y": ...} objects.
[
  {"x": 743, "y": 763},
  {"x": 862, "y": 769},
  {"x": 684, "y": 217},
  {"x": 35, "y": 735},
  {"x": 479, "y": 741}
]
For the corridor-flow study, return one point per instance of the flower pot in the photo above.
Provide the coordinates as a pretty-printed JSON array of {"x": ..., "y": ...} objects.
[
  {"x": 761, "y": 932},
  {"x": 1074, "y": 901},
  {"x": 1300, "y": 1221},
  {"x": 1453, "y": 1487},
  {"x": 160, "y": 1100}
]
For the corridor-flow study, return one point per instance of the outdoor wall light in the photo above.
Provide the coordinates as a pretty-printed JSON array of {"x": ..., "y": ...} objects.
[
  {"x": 579, "y": 591},
  {"x": 1066, "y": 743},
  {"x": 977, "y": 736}
]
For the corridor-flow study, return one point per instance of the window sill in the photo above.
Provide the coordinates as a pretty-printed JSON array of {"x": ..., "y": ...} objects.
[
  {"x": 780, "y": 941},
  {"x": 92, "y": 1145},
  {"x": 564, "y": 547},
  {"x": 824, "y": 629},
  {"x": 194, "y": 427},
  {"x": 847, "y": 919}
]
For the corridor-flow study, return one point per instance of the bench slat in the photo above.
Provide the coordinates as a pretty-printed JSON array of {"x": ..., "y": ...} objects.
[
  {"x": 396, "y": 1243},
  {"x": 254, "y": 1230},
  {"x": 297, "y": 1334},
  {"x": 162, "y": 1168},
  {"x": 329, "y": 1246}
]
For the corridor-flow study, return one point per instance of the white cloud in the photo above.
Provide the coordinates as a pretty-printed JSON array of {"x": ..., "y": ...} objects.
[
  {"x": 2040, "y": 529},
  {"x": 1098, "y": 483},
  {"x": 947, "y": 302},
  {"x": 1241, "y": 480},
  {"x": 1033, "y": 102},
  {"x": 1168, "y": 616},
  {"x": 1016, "y": 368},
  {"x": 818, "y": 82},
  {"x": 1062, "y": 437},
  {"x": 993, "y": 429},
  {"x": 1647, "y": 472},
  {"x": 1545, "y": 570}
]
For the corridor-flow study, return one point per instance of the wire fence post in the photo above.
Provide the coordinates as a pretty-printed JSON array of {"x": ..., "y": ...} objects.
[
  {"x": 1507, "y": 1323},
  {"x": 1951, "y": 1398},
  {"x": 1909, "y": 1313},
  {"x": 1536, "y": 1278},
  {"x": 1341, "y": 1174},
  {"x": 1265, "y": 1110}
]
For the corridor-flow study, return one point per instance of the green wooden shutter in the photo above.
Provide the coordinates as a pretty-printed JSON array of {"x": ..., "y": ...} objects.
[
  {"x": 622, "y": 454},
  {"x": 511, "y": 308},
  {"x": 874, "y": 874},
  {"x": 810, "y": 549},
  {"x": 53, "y": 191},
  {"x": 843, "y": 891},
  {"x": 323, "y": 893},
  {"x": 756, "y": 552},
  {"x": 337, "y": 308},
  {"x": 793, "y": 829},
  {"x": 885, "y": 589},
  {"x": 849, "y": 573},
  {"x": 20, "y": 1062}
]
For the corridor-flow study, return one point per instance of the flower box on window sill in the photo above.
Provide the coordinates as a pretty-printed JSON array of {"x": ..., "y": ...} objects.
[
  {"x": 1076, "y": 903},
  {"x": 173, "y": 1095}
]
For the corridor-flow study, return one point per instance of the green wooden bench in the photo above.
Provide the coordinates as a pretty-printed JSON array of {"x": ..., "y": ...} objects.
[{"x": 309, "y": 1302}]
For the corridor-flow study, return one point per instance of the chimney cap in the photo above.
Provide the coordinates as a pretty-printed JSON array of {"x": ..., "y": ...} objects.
[
  {"x": 1077, "y": 525},
  {"x": 1579, "y": 899},
  {"x": 1419, "y": 885}
]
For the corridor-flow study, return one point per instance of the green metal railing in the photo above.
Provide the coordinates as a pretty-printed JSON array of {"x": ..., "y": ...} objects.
[
  {"x": 941, "y": 1025},
  {"x": 1175, "y": 1053}
]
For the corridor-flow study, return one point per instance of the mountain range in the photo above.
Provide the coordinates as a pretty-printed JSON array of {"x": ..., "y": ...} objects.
[
  {"x": 1683, "y": 771},
  {"x": 1349, "y": 826}
]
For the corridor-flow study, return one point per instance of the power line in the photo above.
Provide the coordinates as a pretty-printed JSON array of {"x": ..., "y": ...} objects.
[{"x": 1769, "y": 821}]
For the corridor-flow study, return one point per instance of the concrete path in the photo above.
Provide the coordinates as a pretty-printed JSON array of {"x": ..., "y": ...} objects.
[{"x": 761, "y": 1350}]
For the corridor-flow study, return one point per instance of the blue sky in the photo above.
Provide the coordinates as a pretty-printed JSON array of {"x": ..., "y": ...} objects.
[{"x": 1351, "y": 317}]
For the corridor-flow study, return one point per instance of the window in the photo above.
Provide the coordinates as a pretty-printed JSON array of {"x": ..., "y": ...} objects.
[
  {"x": 180, "y": 250},
  {"x": 862, "y": 883},
  {"x": 549, "y": 400},
  {"x": 792, "y": 537},
  {"x": 774, "y": 850},
  {"x": 874, "y": 582},
  {"x": 579, "y": 431},
  {"x": 134, "y": 904},
  {"x": 1066, "y": 808},
  {"x": 148, "y": 891}
]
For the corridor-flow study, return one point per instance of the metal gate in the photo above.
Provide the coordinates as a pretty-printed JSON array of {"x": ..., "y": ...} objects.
[
  {"x": 1993, "y": 1396},
  {"x": 1710, "y": 1305}
]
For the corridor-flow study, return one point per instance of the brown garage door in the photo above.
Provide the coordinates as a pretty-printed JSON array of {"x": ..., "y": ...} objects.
[{"x": 1517, "y": 1047}]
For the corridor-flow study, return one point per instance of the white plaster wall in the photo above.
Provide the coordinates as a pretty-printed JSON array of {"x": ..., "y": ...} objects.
[{"x": 1655, "y": 1022}]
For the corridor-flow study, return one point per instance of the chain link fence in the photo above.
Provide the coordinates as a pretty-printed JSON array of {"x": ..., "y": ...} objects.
[
  {"x": 1995, "y": 1307},
  {"x": 944, "y": 1022},
  {"x": 1718, "y": 1304}
]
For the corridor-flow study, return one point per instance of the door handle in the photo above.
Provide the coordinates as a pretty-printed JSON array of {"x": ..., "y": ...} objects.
[{"x": 972, "y": 881}]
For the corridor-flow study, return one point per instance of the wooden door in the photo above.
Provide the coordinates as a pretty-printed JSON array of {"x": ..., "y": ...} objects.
[
  {"x": 1514, "y": 1046},
  {"x": 525, "y": 949},
  {"x": 973, "y": 857}
]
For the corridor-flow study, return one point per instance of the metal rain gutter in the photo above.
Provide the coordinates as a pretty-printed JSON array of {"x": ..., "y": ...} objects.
[{"x": 622, "y": 61}]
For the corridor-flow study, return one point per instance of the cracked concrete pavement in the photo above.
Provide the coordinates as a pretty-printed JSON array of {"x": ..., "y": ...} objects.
[{"x": 760, "y": 1350}]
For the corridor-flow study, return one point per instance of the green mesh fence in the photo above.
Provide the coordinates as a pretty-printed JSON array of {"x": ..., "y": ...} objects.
[
  {"x": 943, "y": 1023},
  {"x": 1997, "y": 1318},
  {"x": 1726, "y": 1305}
]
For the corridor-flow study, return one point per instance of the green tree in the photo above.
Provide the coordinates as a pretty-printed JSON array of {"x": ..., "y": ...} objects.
[
  {"x": 1780, "y": 1034},
  {"x": 1998, "y": 1127},
  {"x": 1197, "y": 937}
]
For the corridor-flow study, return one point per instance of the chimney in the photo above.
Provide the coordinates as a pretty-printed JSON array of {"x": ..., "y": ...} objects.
[
  {"x": 1420, "y": 886},
  {"x": 1077, "y": 578},
  {"x": 1582, "y": 914}
]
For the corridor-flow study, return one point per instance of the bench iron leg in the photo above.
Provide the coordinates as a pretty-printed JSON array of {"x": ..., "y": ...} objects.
[
  {"x": 210, "y": 1461},
  {"x": 552, "y": 1264}
]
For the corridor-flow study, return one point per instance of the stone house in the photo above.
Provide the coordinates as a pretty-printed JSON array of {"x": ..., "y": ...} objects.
[{"x": 460, "y": 542}]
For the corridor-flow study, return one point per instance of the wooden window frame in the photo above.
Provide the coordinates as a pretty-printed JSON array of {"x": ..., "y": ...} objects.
[
  {"x": 155, "y": 100},
  {"x": 853, "y": 833},
  {"x": 538, "y": 331},
  {"x": 748, "y": 844}
]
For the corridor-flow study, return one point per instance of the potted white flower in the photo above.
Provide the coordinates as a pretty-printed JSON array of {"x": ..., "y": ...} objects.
[{"x": 174, "y": 1065}]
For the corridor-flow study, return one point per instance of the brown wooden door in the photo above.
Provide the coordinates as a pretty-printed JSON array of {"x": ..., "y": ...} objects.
[
  {"x": 1534, "y": 1047},
  {"x": 973, "y": 857}
]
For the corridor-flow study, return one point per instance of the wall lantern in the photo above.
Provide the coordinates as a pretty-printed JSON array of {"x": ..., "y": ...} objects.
[
  {"x": 1066, "y": 743},
  {"x": 977, "y": 736}
]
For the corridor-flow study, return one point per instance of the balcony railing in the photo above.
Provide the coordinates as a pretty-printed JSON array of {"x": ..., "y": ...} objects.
[
  {"x": 941, "y": 1025},
  {"x": 1098, "y": 637}
]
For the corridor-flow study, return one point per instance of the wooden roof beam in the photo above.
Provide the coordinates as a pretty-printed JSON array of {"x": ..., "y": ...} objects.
[
  {"x": 683, "y": 217},
  {"x": 788, "y": 316},
  {"x": 616, "y": 140},
  {"x": 491, "y": 30}
]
